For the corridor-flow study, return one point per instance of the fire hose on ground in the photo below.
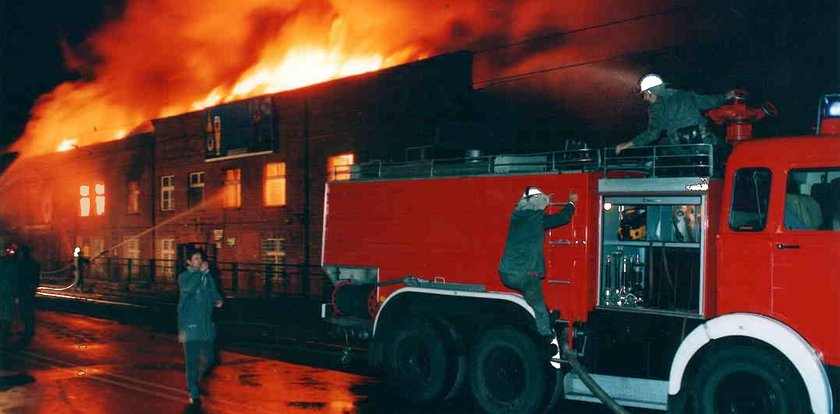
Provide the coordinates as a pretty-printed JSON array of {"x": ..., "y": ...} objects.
[{"x": 597, "y": 391}]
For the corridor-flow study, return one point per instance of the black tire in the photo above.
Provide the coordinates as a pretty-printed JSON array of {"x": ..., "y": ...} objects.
[
  {"x": 416, "y": 362},
  {"x": 508, "y": 372},
  {"x": 747, "y": 380}
]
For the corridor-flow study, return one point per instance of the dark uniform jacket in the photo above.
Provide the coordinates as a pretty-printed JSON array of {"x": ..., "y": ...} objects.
[
  {"x": 197, "y": 297},
  {"x": 526, "y": 236},
  {"x": 673, "y": 110},
  {"x": 8, "y": 288}
]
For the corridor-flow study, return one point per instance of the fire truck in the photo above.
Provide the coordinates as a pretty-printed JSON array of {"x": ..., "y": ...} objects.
[{"x": 677, "y": 289}]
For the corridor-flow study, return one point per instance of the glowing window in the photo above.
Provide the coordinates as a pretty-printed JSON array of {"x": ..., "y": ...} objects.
[
  {"x": 338, "y": 167},
  {"x": 100, "y": 199},
  {"x": 84, "y": 201},
  {"x": 233, "y": 188},
  {"x": 275, "y": 184},
  {"x": 133, "y": 197}
]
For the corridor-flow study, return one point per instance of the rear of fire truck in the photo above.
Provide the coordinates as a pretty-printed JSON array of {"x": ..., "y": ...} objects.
[{"x": 677, "y": 290}]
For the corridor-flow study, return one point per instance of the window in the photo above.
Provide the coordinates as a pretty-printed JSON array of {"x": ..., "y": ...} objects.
[
  {"x": 167, "y": 191},
  {"x": 750, "y": 197},
  {"x": 132, "y": 248},
  {"x": 274, "y": 256},
  {"x": 651, "y": 253},
  {"x": 812, "y": 201},
  {"x": 131, "y": 253},
  {"x": 97, "y": 246},
  {"x": 233, "y": 188},
  {"x": 196, "y": 192},
  {"x": 100, "y": 199},
  {"x": 84, "y": 201},
  {"x": 85, "y": 198},
  {"x": 167, "y": 258},
  {"x": 133, "y": 202},
  {"x": 275, "y": 184},
  {"x": 338, "y": 167}
]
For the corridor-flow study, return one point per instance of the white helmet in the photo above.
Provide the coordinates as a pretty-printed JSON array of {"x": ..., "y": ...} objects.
[
  {"x": 649, "y": 81},
  {"x": 531, "y": 191}
]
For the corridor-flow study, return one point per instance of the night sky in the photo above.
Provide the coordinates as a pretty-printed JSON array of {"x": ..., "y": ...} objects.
[
  {"x": 782, "y": 50},
  {"x": 31, "y": 38}
]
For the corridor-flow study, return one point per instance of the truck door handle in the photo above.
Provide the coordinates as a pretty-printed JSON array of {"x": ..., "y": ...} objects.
[
  {"x": 781, "y": 246},
  {"x": 559, "y": 282},
  {"x": 563, "y": 242}
]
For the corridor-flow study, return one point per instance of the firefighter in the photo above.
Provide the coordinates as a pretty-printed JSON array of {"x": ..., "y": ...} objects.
[
  {"x": 8, "y": 291},
  {"x": 29, "y": 277},
  {"x": 522, "y": 267},
  {"x": 678, "y": 115},
  {"x": 79, "y": 262}
]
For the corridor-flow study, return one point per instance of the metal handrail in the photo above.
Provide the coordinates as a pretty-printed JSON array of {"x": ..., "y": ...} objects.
[
  {"x": 663, "y": 160},
  {"x": 546, "y": 162}
]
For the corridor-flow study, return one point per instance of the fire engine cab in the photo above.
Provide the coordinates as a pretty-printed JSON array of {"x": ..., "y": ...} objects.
[{"x": 677, "y": 290}]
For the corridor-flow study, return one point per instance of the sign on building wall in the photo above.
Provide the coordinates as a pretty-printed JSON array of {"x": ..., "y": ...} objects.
[{"x": 241, "y": 127}]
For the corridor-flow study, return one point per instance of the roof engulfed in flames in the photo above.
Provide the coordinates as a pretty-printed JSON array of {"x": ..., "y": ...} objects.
[{"x": 165, "y": 57}]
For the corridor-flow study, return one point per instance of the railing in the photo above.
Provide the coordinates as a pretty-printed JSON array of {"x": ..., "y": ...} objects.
[
  {"x": 697, "y": 160},
  {"x": 544, "y": 162},
  {"x": 237, "y": 279}
]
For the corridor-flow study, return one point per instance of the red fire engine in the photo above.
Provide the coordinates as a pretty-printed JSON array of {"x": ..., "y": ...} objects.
[{"x": 676, "y": 291}]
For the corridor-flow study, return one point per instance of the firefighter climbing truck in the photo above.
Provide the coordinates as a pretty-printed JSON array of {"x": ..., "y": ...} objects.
[{"x": 676, "y": 290}]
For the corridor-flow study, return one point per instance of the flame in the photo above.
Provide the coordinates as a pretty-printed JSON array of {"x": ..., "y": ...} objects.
[
  {"x": 162, "y": 58},
  {"x": 67, "y": 145}
]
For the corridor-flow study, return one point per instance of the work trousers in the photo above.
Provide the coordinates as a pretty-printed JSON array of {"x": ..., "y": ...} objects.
[
  {"x": 26, "y": 306},
  {"x": 531, "y": 289},
  {"x": 198, "y": 356}
]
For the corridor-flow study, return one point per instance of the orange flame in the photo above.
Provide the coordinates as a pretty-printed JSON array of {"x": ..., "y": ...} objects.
[{"x": 165, "y": 57}]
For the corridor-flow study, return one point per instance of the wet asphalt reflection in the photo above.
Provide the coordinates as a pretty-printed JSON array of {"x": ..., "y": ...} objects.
[{"x": 84, "y": 364}]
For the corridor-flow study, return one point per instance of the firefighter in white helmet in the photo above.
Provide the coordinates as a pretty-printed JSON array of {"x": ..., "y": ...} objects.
[
  {"x": 676, "y": 114},
  {"x": 522, "y": 267}
]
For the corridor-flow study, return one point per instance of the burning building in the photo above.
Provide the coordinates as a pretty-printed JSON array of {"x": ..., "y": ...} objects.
[{"x": 246, "y": 178}]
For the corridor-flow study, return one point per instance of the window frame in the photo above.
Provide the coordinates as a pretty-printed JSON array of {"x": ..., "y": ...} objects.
[
  {"x": 269, "y": 179},
  {"x": 169, "y": 191},
  {"x": 194, "y": 187},
  {"x": 788, "y": 177},
  {"x": 763, "y": 223},
  {"x": 235, "y": 183},
  {"x": 133, "y": 197}
]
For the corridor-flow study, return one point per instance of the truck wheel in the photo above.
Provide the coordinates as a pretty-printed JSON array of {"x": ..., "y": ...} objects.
[
  {"x": 747, "y": 380},
  {"x": 508, "y": 372},
  {"x": 416, "y": 362}
]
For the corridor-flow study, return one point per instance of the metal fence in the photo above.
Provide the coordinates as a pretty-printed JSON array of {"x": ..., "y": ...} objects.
[{"x": 236, "y": 279}]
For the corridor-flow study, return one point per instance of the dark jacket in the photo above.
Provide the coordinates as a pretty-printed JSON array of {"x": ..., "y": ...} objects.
[
  {"x": 197, "y": 297},
  {"x": 29, "y": 276},
  {"x": 8, "y": 288},
  {"x": 526, "y": 237},
  {"x": 675, "y": 109}
]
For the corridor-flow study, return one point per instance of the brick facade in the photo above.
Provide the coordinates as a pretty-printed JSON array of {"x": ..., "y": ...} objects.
[{"x": 372, "y": 116}]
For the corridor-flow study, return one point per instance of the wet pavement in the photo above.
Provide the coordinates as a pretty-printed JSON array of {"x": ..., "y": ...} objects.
[{"x": 93, "y": 365}]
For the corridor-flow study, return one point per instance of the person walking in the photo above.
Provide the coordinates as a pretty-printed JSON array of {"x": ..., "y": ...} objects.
[
  {"x": 197, "y": 298},
  {"x": 29, "y": 278},
  {"x": 522, "y": 266}
]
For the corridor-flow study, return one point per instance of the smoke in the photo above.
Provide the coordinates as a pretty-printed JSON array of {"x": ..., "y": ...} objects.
[{"x": 164, "y": 57}]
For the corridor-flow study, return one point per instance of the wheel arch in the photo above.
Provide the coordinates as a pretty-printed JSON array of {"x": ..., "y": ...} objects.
[
  {"x": 759, "y": 329},
  {"x": 482, "y": 306}
]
